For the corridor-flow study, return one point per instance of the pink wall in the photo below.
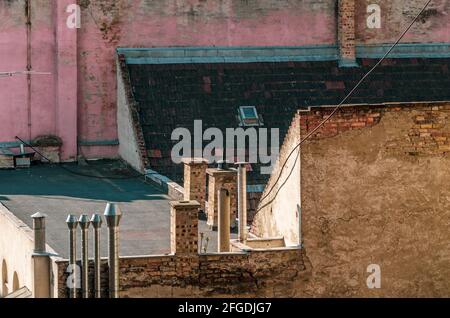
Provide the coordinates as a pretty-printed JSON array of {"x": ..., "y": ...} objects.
[
  {"x": 138, "y": 23},
  {"x": 396, "y": 15},
  {"x": 13, "y": 56},
  {"x": 78, "y": 101}
]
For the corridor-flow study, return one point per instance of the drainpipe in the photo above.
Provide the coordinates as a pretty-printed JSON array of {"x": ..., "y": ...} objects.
[
  {"x": 29, "y": 67},
  {"x": 242, "y": 201},
  {"x": 113, "y": 216},
  {"x": 39, "y": 233},
  {"x": 84, "y": 226},
  {"x": 96, "y": 221},
  {"x": 224, "y": 221},
  {"x": 72, "y": 224}
]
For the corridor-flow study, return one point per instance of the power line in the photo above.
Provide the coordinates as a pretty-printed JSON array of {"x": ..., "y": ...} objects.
[{"x": 312, "y": 132}]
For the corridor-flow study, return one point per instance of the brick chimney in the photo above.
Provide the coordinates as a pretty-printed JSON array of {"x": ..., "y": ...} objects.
[
  {"x": 184, "y": 227},
  {"x": 195, "y": 180},
  {"x": 346, "y": 33}
]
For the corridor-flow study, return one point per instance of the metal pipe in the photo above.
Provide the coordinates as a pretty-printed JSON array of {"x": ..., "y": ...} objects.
[
  {"x": 39, "y": 233},
  {"x": 242, "y": 201},
  {"x": 224, "y": 221},
  {"x": 72, "y": 224},
  {"x": 84, "y": 226},
  {"x": 96, "y": 221},
  {"x": 113, "y": 216}
]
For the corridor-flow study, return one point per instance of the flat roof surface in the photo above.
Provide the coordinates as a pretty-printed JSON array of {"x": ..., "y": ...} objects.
[{"x": 57, "y": 192}]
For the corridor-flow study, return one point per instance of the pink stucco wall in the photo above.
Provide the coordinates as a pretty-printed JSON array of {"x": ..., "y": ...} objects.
[
  {"x": 78, "y": 101},
  {"x": 396, "y": 15},
  {"x": 137, "y": 23}
]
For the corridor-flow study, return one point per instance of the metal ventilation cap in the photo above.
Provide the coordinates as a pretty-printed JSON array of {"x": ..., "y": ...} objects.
[
  {"x": 72, "y": 221},
  {"x": 113, "y": 214},
  {"x": 84, "y": 221},
  {"x": 39, "y": 215},
  {"x": 96, "y": 221}
]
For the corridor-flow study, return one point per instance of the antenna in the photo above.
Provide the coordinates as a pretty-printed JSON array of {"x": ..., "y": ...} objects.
[{"x": 14, "y": 73}]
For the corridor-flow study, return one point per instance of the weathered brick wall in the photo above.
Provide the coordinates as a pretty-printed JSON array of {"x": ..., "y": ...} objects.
[
  {"x": 132, "y": 144},
  {"x": 374, "y": 191},
  {"x": 346, "y": 30},
  {"x": 63, "y": 278},
  {"x": 277, "y": 273},
  {"x": 427, "y": 135}
]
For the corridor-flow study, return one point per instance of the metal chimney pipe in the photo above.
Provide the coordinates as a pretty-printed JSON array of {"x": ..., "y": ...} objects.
[
  {"x": 113, "y": 216},
  {"x": 242, "y": 201},
  {"x": 224, "y": 220},
  {"x": 39, "y": 233},
  {"x": 72, "y": 224},
  {"x": 96, "y": 221},
  {"x": 84, "y": 226}
]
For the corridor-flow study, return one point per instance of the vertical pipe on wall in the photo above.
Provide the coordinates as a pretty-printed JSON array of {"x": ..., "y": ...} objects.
[
  {"x": 84, "y": 226},
  {"x": 42, "y": 282},
  {"x": 224, "y": 220},
  {"x": 96, "y": 221},
  {"x": 29, "y": 66},
  {"x": 113, "y": 216},
  {"x": 72, "y": 224},
  {"x": 242, "y": 201},
  {"x": 39, "y": 232}
]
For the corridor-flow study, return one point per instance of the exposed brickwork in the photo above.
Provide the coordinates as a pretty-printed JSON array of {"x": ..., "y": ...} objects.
[
  {"x": 346, "y": 31},
  {"x": 428, "y": 134},
  {"x": 257, "y": 273},
  {"x": 134, "y": 114},
  {"x": 195, "y": 181},
  {"x": 63, "y": 278},
  {"x": 184, "y": 227},
  {"x": 346, "y": 119},
  {"x": 218, "y": 179}
]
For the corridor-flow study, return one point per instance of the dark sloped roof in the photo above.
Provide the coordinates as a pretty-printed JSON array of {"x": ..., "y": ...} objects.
[{"x": 171, "y": 96}]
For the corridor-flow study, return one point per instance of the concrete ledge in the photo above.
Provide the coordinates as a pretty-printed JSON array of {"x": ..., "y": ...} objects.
[
  {"x": 188, "y": 55},
  {"x": 404, "y": 50},
  {"x": 171, "y": 188},
  {"x": 245, "y": 54}
]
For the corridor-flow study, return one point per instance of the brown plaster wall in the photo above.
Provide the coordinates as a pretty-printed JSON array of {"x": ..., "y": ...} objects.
[{"x": 374, "y": 184}]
